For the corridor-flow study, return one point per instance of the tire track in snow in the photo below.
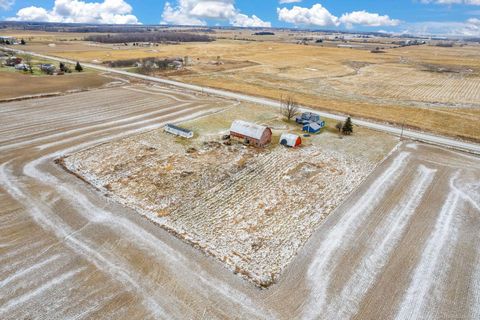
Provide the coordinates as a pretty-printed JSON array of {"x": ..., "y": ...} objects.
[
  {"x": 161, "y": 115},
  {"x": 21, "y": 273},
  {"x": 320, "y": 271},
  {"x": 106, "y": 124},
  {"x": 386, "y": 238},
  {"x": 62, "y": 231},
  {"x": 433, "y": 266},
  {"x": 123, "y": 226},
  {"x": 38, "y": 291},
  {"x": 475, "y": 301},
  {"x": 118, "y": 225}
]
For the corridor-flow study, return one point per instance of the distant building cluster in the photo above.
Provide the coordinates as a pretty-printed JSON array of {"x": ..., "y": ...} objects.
[{"x": 8, "y": 40}]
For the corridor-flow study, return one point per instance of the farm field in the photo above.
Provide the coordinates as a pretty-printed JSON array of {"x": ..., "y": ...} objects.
[
  {"x": 69, "y": 251},
  {"x": 429, "y": 88},
  {"x": 251, "y": 209},
  {"x": 404, "y": 245},
  {"x": 16, "y": 84}
]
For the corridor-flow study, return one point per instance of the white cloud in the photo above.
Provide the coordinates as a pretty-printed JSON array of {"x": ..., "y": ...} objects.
[
  {"x": 317, "y": 15},
  {"x": 194, "y": 12},
  {"x": 469, "y": 28},
  {"x": 466, "y": 2},
  {"x": 289, "y": 1},
  {"x": 179, "y": 15},
  {"x": 76, "y": 11},
  {"x": 242, "y": 20},
  {"x": 6, "y": 4},
  {"x": 365, "y": 18},
  {"x": 474, "y": 21}
]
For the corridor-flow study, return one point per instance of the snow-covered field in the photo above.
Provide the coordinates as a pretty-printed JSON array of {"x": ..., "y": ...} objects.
[
  {"x": 252, "y": 209},
  {"x": 415, "y": 225},
  {"x": 404, "y": 245}
]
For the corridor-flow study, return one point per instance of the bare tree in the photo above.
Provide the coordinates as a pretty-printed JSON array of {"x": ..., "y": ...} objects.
[
  {"x": 28, "y": 62},
  {"x": 289, "y": 107},
  {"x": 339, "y": 126}
]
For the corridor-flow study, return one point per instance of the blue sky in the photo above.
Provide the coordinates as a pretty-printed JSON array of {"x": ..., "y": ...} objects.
[{"x": 451, "y": 17}]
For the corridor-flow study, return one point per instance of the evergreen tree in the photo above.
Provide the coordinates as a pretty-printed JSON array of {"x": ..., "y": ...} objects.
[
  {"x": 348, "y": 127},
  {"x": 23, "y": 42},
  {"x": 78, "y": 67}
]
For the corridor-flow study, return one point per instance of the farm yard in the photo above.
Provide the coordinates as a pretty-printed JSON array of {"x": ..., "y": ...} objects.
[
  {"x": 429, "y": 88},
  {"x": 68, "y": 250},
  {"x": 251, "y": 209}
]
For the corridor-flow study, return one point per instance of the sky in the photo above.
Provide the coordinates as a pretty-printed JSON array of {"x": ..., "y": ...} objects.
[{"x": 441, "y": 17}]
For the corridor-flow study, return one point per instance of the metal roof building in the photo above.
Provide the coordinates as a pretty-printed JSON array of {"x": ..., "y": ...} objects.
[
  {"x": 290, "y": 140},
  {"x": 251, "y": 133},
  {"x": 4, "y": 39},
  {"x": 313, "y": 127},
  {"x": 178, "y": 131}
]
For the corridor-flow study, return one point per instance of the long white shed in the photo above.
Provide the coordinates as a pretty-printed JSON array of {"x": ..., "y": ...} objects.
[{"x": 178, "y": 131}]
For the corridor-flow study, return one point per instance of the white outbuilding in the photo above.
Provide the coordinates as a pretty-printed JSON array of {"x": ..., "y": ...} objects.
[
  {"x": 290, "y": 140},
  {"x": 178, "y": 131}
]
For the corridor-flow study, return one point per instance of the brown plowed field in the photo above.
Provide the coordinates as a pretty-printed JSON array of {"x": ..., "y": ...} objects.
[{"x": 404, "y": 245}]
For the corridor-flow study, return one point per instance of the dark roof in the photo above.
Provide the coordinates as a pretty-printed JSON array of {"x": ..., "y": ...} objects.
[{"x": 178, "y": 128}]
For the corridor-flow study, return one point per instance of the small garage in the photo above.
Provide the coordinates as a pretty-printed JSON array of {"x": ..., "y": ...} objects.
[
  {"x": 312, "y": 127},
  {"x": 290, "y": 140}
]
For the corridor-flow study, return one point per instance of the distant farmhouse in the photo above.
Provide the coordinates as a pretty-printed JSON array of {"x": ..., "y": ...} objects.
[
  {"x": 178, "y": 131},
  {"x": 7, "y": 40},
  {"x": 22, "y": 67},
  {"x": 48, "y": 68},
  {"x": 13, "y": 61},
  {"x": 251, "y": 133}
]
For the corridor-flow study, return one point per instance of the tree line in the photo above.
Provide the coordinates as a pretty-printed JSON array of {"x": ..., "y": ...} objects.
[{"x": 149, "y": 37}]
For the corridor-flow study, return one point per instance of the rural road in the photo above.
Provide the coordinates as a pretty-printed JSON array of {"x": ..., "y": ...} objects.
[{"x": 412, "y": 134}]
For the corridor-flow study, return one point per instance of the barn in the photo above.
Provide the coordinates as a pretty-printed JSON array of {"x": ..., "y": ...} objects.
[
  {"x": 176, "y": 130},
  {"x": 251, "y": 133},
  {"x": 290, "y": 140}
]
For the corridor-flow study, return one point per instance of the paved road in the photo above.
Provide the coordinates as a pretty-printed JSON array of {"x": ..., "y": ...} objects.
[{"x": 412, "y": 134}]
